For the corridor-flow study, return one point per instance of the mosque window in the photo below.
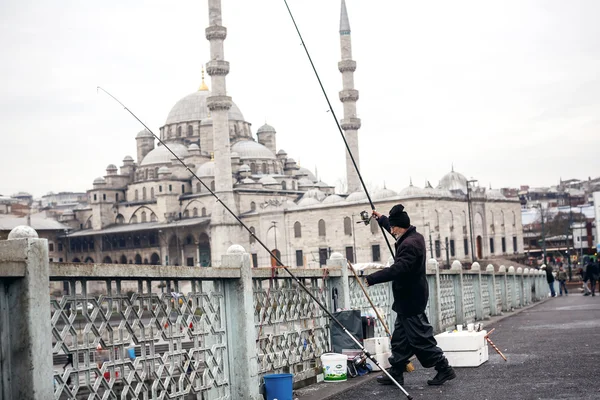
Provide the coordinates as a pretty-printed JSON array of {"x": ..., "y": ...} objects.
[
  {"x": 182, "y": 189},
  {"x": 252, "y": 206},
  {"x": 50, "y": 246},
  {"x": 198, "y": 187},
  {"x": 515, "y": 244},
  {"x": 253, "y": 168},
  {"x": 283, "y": 185},
  {"x": 153, "y": 217},
  {"x": 190, "y": 130},
  {"x": 299, "y": 258},
  {"x": 252, "y": 238},
  {"x": 170, "y": 188},
  {"x": 103, "y": 196},
  {"x": 293, "y": 185},
  {"x": 322, "y": 228},
  {"x": 212, "y": 185},
  {"x": 159, "y": 188},
  {"x": 195, "y": 212},
  {"x": 135, "y": 195},
  {"x": 297, "y": 230},
  {"x": 452, "y": 248},
  {"x": 438, "y": 249},
  {"x": 117, "y": 197},
  {"x": 466, "y": 244},
  {"x": 95, "y": 198},
  {"x": 120, "y": 219},
  {"x": 204, "y": 211},
  {"x": 146, "y": 174},
  {"x": 376, "y": 252},
  {"x": 503, "y": 245},
  {"x": 152, "y": 193},
  {"x": 492, "y": 245},
  {"x": 133, "y": 220},
  {"x": 178, "y": 131},
  {"x": 143, "y": 216},
  {"x": 143, "y": 193},
  {"x": 156, "y": 172},
  {"x": 186, "y": 214},
  {"x": 264, "y": 168},
  {"x": 347, "y": 226}
]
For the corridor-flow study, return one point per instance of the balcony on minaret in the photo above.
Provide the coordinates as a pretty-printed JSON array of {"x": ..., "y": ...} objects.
[
  {"x": 216, "y": 32},
  {"x": 347, "y": 65},
  {"x": 350, "y": 124},
  {"x": 348, "y": 95},
  {"x": 217, "y": 67},
  {"x": 218, "y": 103}
]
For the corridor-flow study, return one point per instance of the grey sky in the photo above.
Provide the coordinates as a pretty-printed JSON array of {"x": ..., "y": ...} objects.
[{"x": 507, "y": 91}]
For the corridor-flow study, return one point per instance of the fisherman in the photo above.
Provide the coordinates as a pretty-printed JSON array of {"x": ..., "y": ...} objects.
[{"x": 412, "y": 332}]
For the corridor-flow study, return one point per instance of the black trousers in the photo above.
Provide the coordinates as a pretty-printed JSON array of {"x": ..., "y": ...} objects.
[{"x": 414, "y": 335}]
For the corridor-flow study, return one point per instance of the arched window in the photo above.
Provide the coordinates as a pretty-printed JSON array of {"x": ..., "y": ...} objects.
[
  {"x": 198, "y": 187},
  {"x": 143, "y": 216},
  {"x": 190, "y": 130},
  {"x": 88, "y": 224},
  {"x": 120, "y": 219},
  {"x": 297, "y": 229},
  {"x": 133, "y": 220},
  {"x": 204, "y": 211},
  {"x": 178, "y": 131},
  {"x": 89, "y": 260},
  {"x": 195, "y": 212},
  {"x": 153, "y": 217},
  {"x": 347, "y": 226},
  {"x": 146, "y": 174},
  {"x": 252, "y": 238},
  {"x": 123, "y": 259},
  {"x": 107, "y": 260},
  {"x": 253, "y": 168},
  {"x": 138, "y": 259},
  {"x": 186, "y": 214},
  {"x": 135, "y": 196},
  {"x": 322, "y": 228},
  {"x": 156, "y": 173},
  {"x": 252, "y": 206},
  {"x": 143, "y": 193},
  {"x": 264, "y": 168},
  {"x": 284, "y": 185},
  {"x": 212, "y": 185},
  {"x": 182, "y": 189}
]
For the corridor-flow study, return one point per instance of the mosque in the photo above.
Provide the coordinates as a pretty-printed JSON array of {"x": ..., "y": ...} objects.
[{"x": 151, "y": 210}]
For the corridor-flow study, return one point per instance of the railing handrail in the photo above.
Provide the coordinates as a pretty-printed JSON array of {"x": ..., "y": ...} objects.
[{"x": 96, "y": 271}]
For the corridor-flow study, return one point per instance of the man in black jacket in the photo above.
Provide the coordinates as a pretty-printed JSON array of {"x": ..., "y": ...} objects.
[{"x": 412, "y": 332}]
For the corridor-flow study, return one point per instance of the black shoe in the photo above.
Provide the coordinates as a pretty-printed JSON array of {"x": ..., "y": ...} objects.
[
  {"x": 443, "y": 374},
  {"x": 385, "y": 380}
]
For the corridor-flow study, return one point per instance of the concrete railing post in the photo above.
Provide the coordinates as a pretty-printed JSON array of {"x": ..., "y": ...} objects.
[
  {"x": 457, "y": 278},
  {"x": 519, "y": 284},
  {"x": 25, "y": 326},
  {"x": 241, "y": 335},
  {"x": 512, "y": 286},
  {"x": 341, "y": 286},
  {"x": 526, "y": 286},
  {"x": 477, "y": 289},
  {"x": 503, "y": 287},
  {"x": 491, "y": 277},
  {"x": 435, "y": 301}
]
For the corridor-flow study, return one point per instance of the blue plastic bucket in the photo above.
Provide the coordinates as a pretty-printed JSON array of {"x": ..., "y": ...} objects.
[{"x": 279, "y": 386}]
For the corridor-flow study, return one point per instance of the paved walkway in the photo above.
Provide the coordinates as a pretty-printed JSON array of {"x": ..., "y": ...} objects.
[{"x": 553, "y": 352}]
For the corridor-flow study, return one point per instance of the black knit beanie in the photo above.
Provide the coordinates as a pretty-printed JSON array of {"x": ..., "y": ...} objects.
[{"x": 399, "y": 217}]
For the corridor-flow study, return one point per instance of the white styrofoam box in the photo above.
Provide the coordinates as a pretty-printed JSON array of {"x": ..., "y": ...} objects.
[
  {"x": 382, "y": 359},
  {"x": 377, "y": 345},
  {"x": 472, "y": 358},
  {"x": 461, "y": 341}
]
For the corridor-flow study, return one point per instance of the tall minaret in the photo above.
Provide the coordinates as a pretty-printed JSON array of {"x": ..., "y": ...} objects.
[
  {"x": 348, "y": 97},
  {"x": 224, "y": 228}
]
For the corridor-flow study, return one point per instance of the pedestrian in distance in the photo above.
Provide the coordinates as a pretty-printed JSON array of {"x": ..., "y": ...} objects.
[
  {"x": 562, "y": 280},
  {"x": 413, "y": 334},
  {"x": 581, "y": 273},
  {"x": 593, "y": 273},
  {"x": 550, "y": 280}
]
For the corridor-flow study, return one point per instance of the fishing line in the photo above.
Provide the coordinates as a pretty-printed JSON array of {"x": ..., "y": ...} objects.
[
  {"x": 279, "y": 262},
  {"x": 337, "y": 123}
]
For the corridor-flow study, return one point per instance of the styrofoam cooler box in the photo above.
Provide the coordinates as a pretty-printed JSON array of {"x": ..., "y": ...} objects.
[
  {"x": 472, "y": 358},
  {"x": 382, "y": 359},
  {"x": 461, "y": 341},
  {"x": 378, "y": 345}
]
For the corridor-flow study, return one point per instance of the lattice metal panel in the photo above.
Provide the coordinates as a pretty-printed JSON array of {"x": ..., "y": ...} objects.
[
  {"x": 499, "y": 283},
  {"x": 447, "y": 300},
  {"x": 381, "y": 296},
  {"x": 509, "y": 292},
  {"x": 292, "y": 330},
  {"x": 517, "y": 288},
  {"x": 485, "y": 293},
  {"x": 469, "y": 296},
  {"x": 177, "y": 332}
]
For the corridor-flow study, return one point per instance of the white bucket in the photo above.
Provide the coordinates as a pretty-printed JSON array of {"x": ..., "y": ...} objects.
[{"x": 335, "y": 367}]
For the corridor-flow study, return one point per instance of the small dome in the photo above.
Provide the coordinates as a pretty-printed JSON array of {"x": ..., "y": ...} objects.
[
  {"x": 249, "y": 149},
  {"x": 322, "y": 184},
  {"x": 308, "y": 173},
  {"x": 334, "y": 198},
  {"x": 144, "y": 134},
  {"x": 413, "y": 191},
  {"x": 357, "y": 196},
  {"x": 234, "y": 155},
  {"x": 495, "y": 194},
  {"x": 266, "y": 128},
  {"x": 290, "y": 161},
  {"x": 128, "y": 159},
  {"x": 315, "y": 194},
  {"x": 281, "y": 153},
  {"x": 383, "y": 194},
  {"x": 111, "y": 167},
  {"x": 245, "y": 168},
  {"x": 164, "y": 170},
  {"x": 308, "y": 201},
  {"x": 454, "y": 181},
  {"x": 248, "y": 181},
  {"x": 268, "y": 180},
  {"x": 305, "y": 182},
  {"x": 99, "y": 181},
  {"x": 193, "y": 146},
  {"x": 160, "y": 154},
  {"x": 206, "y": 169}
]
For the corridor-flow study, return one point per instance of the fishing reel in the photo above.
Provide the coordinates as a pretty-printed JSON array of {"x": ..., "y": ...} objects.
[{"x": 365, "y": 218}]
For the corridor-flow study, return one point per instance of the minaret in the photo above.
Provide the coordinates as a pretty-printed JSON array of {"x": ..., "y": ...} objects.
[
  {"x": 348, "y": 97},
  {"x": 224, "y": 228}
]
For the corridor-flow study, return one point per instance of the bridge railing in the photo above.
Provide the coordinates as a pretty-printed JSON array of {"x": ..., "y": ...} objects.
[{"x": 143, "y": 331}]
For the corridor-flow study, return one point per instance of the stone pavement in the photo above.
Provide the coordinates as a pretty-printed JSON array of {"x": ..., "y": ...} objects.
[{"x": 553, "y": 352}]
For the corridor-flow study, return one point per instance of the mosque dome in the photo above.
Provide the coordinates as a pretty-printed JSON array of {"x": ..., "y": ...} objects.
[
  {"x": 193, "y": 108},
  {"x": 308, "y": 173},
  {"x": 281, "y": 153},
  {"x": 305, "y": 182},
  {"x": 249, "y": 149},
  {"x": 494, "y": 194},
  {"x": 111, "y": 167},
  {"x": 145, "y": 133},
  {"x": 321, "y": 184},
  {"x": 268, "y": 180},
  {"x": 357, "y": 196},
  {"x": 206, "y": 169},
  {"x": 164, "y": 170},
  {"x": 234, "y": 155},
  {"x": 99, "y": 181},
  {"x": 315, "y": 194},
  {"x": 384, "y": 193},
  {"x": 248, "y": 181},
  {"x": 245, "y": 168},
  {"x": 266, "y": 128},
  {"x": 128, "y": 159},
  {"x": 193, "y": 146},
  {"x": 334, "y": 198},
  {"x": 454, "y": 181},
  {"x": 413, "y": 191},
  {"x": 160, "y": 154},
  {"x": 308, "y": 201}
]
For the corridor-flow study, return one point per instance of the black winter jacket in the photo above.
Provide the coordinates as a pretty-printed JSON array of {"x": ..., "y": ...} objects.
[{"x": 409, "y": 280}]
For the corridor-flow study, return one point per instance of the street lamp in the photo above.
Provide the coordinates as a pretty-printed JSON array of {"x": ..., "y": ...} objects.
[
  {"x": 541, "y": 207},
  {"x": 430, "y": 241},
  {"x": 470, "y": 216}
]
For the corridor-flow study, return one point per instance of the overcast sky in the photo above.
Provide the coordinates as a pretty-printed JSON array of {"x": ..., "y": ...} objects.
[{"x": 508, "y": 91}]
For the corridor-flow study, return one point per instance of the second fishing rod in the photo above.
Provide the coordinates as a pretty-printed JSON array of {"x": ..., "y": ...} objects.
[{"x": 264, "y": 246}]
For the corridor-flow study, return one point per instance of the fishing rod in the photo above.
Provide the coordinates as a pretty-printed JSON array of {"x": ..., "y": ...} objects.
[
  {"x": 337, "y": 124},
  {"x": 260, "y": 242}
]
